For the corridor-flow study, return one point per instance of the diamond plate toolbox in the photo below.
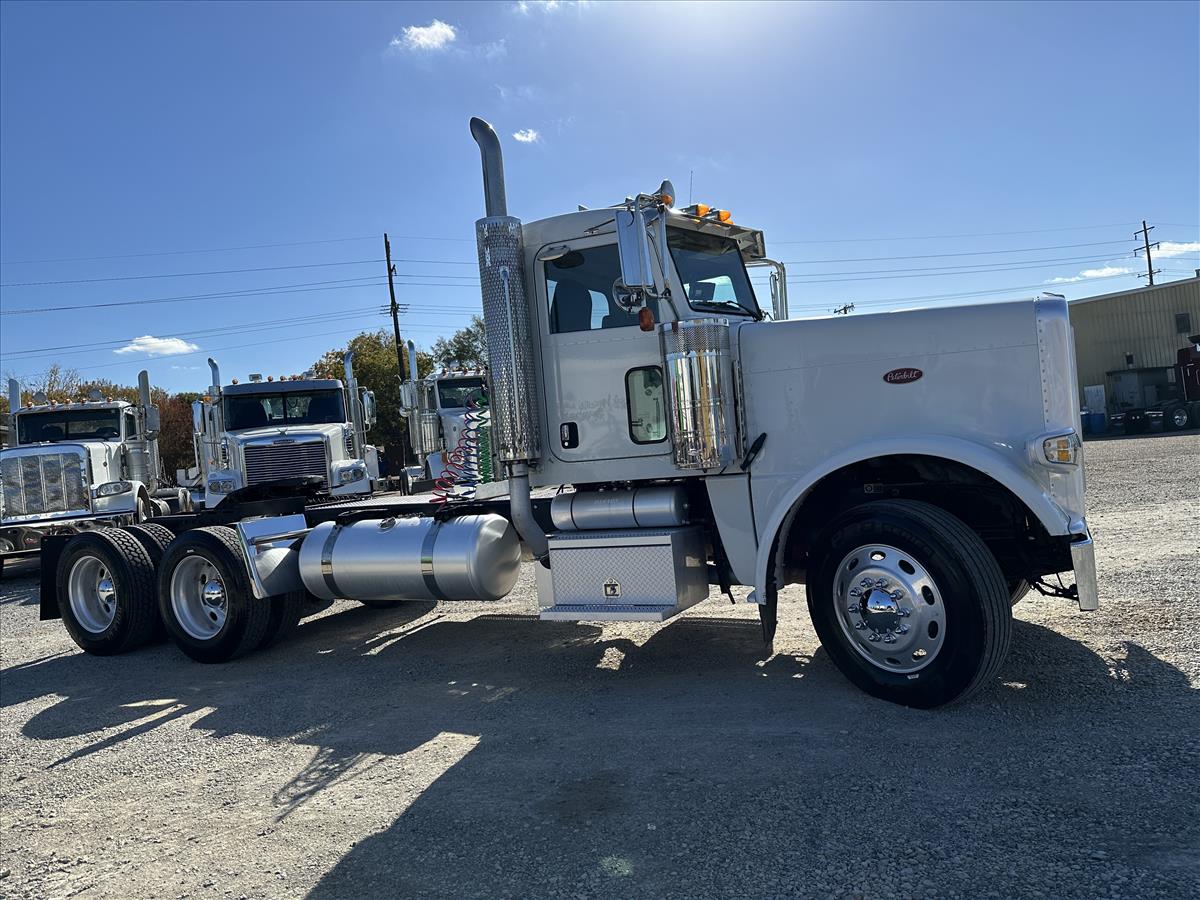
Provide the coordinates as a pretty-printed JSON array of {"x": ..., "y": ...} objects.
[{"x": 629, "y": 568}]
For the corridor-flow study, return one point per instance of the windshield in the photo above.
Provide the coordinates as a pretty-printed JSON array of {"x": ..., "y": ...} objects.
[
  {"x": 69, "y": 425},
  {"x": 711, "y": 269},
  {"x": 290, "y": 408},
  {"x": 455, "y": 394}
]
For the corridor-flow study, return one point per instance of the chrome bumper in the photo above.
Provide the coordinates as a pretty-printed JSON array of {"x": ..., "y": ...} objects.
[{"x": 1083, "y": 560}]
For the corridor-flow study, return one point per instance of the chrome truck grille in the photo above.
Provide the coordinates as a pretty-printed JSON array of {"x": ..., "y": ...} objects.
[
  {"x": 43, "y": 483},
  {"x": 268, "y": 462}
]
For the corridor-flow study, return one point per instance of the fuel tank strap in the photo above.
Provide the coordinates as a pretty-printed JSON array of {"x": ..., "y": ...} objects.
[
  {"x": 427, "y": 574},
  {"x": 327, "y": 559}
]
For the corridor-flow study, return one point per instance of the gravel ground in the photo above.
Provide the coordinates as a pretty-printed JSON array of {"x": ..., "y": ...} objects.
[{"x": 466, "y": 751}]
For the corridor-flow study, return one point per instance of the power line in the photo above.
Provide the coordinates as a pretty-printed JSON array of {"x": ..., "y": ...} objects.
[
  {"x": 354, "y": 262},
  {"x": 994, "y": 266},
  {"x": 805, "y": 262},
  {"x": 939, "y": 237},
  {"x": 147, "y": 253}
]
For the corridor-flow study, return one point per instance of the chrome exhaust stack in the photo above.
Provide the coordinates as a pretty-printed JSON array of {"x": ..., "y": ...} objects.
[
  {"x": 354, "y": 402},
  {"x": 516, "y": 435},
  {"x": 216, "y": 376}
]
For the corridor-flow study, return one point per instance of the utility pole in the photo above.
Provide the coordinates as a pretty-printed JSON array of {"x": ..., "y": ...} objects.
[
  {"x": 1145, "y": 233},
  {"x": 843, "y": 310},
  {"x": 395, "y": 309}
]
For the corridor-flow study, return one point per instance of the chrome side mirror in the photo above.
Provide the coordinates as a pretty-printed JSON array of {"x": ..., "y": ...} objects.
[
  {"x": 368, "y": 405},
  {"x": 198, "y": 417},
  {"x": 633, "y": 246},
  {"x": 153, "y": 422}
]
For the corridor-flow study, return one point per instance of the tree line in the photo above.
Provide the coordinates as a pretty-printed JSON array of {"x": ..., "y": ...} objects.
[{"x": 375, "y": 367}]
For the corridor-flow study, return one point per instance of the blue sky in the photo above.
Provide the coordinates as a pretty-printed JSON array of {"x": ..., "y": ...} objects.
[{"x": 877, "y": 145}]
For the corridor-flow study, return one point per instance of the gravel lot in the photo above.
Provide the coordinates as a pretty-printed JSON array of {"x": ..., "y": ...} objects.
[{"x": 464, "y": 750}]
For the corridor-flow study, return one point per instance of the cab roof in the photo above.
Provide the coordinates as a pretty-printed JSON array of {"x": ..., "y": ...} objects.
[{"x": 281, "y": 387}]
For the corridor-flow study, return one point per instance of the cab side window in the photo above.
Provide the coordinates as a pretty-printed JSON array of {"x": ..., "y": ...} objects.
[{"x": 579, "y": 287}]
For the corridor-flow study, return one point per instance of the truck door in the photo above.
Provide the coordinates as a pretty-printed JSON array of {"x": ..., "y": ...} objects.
[{"x": 602, "y": 374}]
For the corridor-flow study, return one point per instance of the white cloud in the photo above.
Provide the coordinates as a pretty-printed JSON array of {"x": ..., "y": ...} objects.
[
  {"x": 1102, "y": 272},
  {"x": 526, "y": 136},
  {"x": 1175, "y": 248},
  {"x": 434, "y": 36},
  {"x": 157, "y": 346},
  {"x": 525, "y": 7}
]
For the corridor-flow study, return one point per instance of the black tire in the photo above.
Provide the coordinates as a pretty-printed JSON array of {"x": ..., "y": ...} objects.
[
  {"x": 285, "y": 613},
  {"x": 133, "y": 597},
  {"x": 975, "y": 601},
  {"x": 154, "y": 539},
  {"x": 1017, "y": 588},
  {"x": 246, "y": 618}
]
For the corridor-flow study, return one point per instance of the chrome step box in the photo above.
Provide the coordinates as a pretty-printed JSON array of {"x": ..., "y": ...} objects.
[{"x": 630, "y": 575}]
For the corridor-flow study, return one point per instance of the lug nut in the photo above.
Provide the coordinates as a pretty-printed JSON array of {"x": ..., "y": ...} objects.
[
  {"x": 853, "y": 607},
  {"x": 896, "y": 594},
  {"x": 865, "y": 583},
  {"x": 905, "y": 612},
  {"x": 889, "y": 639},
  {"x": 873, "y": 637},
  {"x": 902, "y": 628},
  {"x": 860, "y": 625},
  {"x": 881, "y": 582},
  {"x": 855, "y": 592}
]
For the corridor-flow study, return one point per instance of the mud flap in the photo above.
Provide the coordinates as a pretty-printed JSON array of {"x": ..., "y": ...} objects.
[{"x": 52, "y": 549}]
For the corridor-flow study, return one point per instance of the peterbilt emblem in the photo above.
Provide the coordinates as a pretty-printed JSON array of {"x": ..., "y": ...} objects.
[
  {"x": 902, "y": 376},
  {"x": 612, "y": 588},
  {"x": 283, "y": 441}
]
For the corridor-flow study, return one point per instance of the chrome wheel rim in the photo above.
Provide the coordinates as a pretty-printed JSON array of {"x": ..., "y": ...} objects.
[
  {"x": 889, "y": 608},
  {"x": 1179, "y": 417},
  {"x": 198, "y": 598},
  {"x": 92, "y": 594}
]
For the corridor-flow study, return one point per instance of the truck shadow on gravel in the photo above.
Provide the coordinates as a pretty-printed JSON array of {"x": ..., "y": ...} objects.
[{"x": 688, "y": 763}]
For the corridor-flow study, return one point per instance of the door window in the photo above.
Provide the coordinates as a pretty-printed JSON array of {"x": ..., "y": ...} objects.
[
  {"x": 579, "y": 289},
  {"x": 647, "y": 410}
]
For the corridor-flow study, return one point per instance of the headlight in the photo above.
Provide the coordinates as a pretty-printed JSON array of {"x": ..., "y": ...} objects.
[
  {"x": 222, "y": 486},
  {"x": 1063, "y": 449},
  {"x": 112, "y": 488},
  {"x": 354, "y": 473}
]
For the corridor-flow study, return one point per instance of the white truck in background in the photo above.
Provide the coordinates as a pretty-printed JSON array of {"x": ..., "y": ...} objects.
[
  {"x": 446, "y": 410},
  {"x": 285, "y": 430},
  {"x": 916, "y": 471},
  {"x": 80, "y": 465}
]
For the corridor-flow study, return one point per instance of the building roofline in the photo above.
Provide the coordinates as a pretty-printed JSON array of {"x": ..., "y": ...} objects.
[{"x": 1138, "y": 290}]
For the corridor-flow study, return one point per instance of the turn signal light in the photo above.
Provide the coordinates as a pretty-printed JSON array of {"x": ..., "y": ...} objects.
[
  {"x": 1064, "y": 450},
  {"x": 646, "y": 319}
]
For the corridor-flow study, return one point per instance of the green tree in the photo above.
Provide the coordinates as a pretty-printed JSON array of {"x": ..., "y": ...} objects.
[
  {"x": 376, "y": 370},
  {"x": 465, "y": 349}
]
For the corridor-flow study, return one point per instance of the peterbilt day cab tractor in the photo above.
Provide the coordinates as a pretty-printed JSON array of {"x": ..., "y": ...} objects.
[
  {"x": 295, "y": 427},
  {"x": 80, "y": 465},
  {"x": 688, "y": 442}
]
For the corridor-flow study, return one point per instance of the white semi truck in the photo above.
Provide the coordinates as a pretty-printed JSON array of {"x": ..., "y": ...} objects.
[
  {"x": 80, "y": 465},
  {"x": 445, "y": 412},
  {"x": 286, "y": 430},
  {"x": 916, "y": 471}
]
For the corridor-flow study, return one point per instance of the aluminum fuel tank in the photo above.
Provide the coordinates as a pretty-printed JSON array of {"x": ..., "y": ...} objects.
[
  {"x": 664, "y": 506},
  {"x": 468, "y": 558}
]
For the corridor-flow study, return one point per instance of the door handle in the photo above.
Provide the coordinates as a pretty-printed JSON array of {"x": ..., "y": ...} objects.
[{"x": 568, "y": 435}]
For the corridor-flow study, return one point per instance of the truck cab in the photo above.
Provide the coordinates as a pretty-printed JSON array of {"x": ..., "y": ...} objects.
[
  {"x": 437, "y": 408},
  {"x": 261, "y": 431},
  {"x": 78, "y": 465}
]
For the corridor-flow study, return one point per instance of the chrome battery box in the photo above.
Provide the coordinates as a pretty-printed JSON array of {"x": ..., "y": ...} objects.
[{"x": 637, "y": 574}]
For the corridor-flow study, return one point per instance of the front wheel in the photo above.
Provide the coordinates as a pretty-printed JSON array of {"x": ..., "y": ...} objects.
[
  {"x": 909, "y": 603},
  {"x": 1177, "y": 417}
]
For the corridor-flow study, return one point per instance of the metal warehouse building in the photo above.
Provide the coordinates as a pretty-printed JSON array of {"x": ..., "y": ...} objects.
[{"x": 1127, "y": 343}]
